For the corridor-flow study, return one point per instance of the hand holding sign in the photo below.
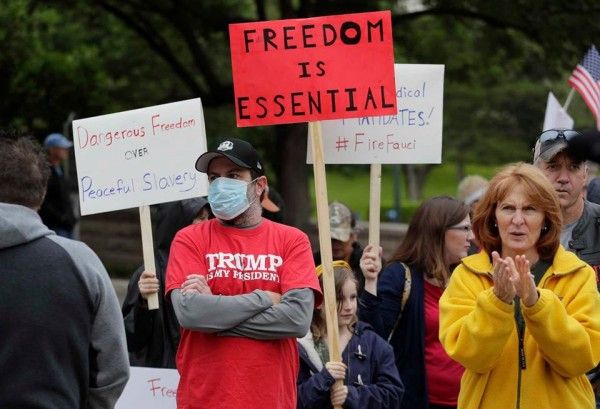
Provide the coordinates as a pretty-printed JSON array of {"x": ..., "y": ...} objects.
[{"x": 148, "y": 284}]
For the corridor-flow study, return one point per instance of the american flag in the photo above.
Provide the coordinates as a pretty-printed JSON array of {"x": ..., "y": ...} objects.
[{"x": 586, "y": 80}]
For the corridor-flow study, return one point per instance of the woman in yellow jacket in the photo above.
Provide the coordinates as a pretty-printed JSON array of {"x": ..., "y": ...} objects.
[{"x": 523, "y": 315}]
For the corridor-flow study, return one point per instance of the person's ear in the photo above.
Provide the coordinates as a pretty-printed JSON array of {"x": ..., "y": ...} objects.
[
  {"x": 494, "y": 226},
  {"x": 261, "y": 185}
]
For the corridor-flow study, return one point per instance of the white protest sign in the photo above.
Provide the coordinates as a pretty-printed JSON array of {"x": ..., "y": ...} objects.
[
  {"x": 556, "y": 116},
  {"x": 150, "y": 388},
  {"x": 413, "y": 135},
  {"x": 140, "y": 157}
]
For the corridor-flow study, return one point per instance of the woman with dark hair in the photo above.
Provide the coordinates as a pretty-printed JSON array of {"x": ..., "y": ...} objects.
[
  {"x": 402, "y": 302},
  {"x": 523, "y": 315},
  {"x": 370, "y": 378}
]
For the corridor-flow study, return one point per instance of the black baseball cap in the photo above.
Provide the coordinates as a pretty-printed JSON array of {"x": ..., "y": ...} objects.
[{"x": 239, "y": 152}]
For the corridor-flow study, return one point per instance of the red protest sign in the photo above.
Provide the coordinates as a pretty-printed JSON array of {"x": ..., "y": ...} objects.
[{"x": 302, "y": 70}]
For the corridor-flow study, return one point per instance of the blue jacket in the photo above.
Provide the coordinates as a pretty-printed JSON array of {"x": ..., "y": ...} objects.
[
  {"x": 372, "y": 378},
  {"x": 408, "y": 342}
]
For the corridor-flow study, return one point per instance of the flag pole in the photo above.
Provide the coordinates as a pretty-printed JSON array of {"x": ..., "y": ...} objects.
[{"x": 568, "y": 101}]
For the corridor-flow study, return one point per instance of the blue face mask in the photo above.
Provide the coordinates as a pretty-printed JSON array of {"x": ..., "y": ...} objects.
[{"x": 228, "y": 198}]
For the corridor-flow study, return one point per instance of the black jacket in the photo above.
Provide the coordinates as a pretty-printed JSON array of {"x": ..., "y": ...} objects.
[
  {"x": 408, "y": 341},
  {"x": 57, "y": 209},
  {"x": 153, "y": 336},
  {"x": 585, "y": 242}
]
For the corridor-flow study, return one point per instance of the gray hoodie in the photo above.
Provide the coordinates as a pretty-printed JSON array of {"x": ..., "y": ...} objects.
[{"x": 62, "y": 337}]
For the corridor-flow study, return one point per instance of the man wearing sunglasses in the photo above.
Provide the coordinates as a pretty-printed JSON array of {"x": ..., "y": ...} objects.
[
  {"x": 568, "y": 174},
  {"x": 581, "y": 219}
]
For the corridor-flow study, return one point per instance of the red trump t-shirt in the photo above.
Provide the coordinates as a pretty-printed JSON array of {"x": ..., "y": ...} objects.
[{"x": 236, "y": 372}]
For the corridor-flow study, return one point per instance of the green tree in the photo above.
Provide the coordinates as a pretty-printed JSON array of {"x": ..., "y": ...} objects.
[{"x": 100, "y": 56}]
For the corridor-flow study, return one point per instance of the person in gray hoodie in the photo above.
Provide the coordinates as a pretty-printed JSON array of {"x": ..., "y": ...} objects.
[{"x": 63, "y": 342}]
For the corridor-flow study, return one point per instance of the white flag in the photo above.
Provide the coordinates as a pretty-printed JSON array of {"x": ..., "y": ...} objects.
[{"x": 556, "y": 117}]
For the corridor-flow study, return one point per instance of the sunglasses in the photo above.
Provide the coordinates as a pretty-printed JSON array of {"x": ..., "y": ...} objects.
[
  {"x": 553, "y": 134},
  {"x": 336, "y": 263}
]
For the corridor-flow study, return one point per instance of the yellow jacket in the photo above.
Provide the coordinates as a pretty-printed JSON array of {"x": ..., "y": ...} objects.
[{"x": 561, "y": 342}]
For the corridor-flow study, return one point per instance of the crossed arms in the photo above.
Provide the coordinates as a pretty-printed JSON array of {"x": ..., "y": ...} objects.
[{"x": 260, "y": 314}]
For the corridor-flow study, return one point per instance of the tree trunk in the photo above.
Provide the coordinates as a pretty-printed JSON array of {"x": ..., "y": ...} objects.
[
  {"x": 415, "y": 180},
  {"x": 293, "y": 173}
]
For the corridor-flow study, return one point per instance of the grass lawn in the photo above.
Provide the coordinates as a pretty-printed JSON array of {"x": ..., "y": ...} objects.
[{"x": 351, "y": 186}]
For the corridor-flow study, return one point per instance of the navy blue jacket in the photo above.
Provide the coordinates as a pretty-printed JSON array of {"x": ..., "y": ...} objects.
[
  {"x": 381, "y": 312},
  {"x": 372, "y": 377}
]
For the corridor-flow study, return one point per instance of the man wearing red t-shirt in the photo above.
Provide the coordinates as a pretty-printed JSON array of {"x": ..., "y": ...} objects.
[{"x": 243, "y": 289}]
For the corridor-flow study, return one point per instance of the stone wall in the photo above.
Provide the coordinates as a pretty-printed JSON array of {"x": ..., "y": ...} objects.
[{"x": 116, "y": 238}]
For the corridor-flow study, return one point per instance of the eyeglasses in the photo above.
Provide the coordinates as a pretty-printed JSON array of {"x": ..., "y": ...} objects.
[
  {"x": 464, "y": 229},
  {"x": 553, "y": 134},
  {"x": 336, "y": 263}
]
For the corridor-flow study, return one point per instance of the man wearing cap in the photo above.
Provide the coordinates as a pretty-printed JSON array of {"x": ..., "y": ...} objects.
[
  {"x": 581, "y": 218},
  {"x": 57, "y": 210},
  {"x": 243, "y": 288},
  {"x": 273, "y": 206},
  {"x": 344, "y": 244}
]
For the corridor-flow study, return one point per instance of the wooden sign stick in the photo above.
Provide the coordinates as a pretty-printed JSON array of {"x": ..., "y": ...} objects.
[
  {"x": 375, "y": 205},
  {"x": 148, "y": 249},
  {"x": 330, "y": 302}
]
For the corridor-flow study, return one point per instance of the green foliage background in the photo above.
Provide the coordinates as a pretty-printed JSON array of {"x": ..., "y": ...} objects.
[{"x": 62, "y": 59}]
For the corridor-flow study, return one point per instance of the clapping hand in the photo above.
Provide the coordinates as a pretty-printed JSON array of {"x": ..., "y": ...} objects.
[
  {"x": 513, "y": 278},
  {"x": 504, "y": 288},
  {"x": 523, "y": 280}
]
